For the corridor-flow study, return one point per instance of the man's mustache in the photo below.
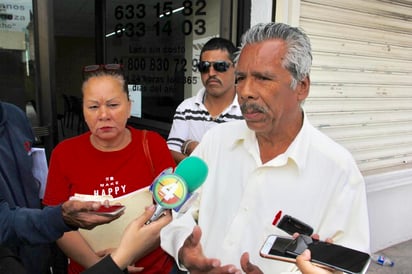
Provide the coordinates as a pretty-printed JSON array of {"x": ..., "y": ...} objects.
[
  {"x": 214, "y": 79},
  {"x": 248, "y": 107}
]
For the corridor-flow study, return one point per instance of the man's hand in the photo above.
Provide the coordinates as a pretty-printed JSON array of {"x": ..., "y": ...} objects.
[
  {"x": 192, "y": 257},
  {"x": 247, "y": 266},
  {"x": 77, "y": 214}
]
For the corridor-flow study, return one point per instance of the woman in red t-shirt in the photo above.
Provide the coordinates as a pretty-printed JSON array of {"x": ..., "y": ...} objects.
[{"x": 108, "y": 160}]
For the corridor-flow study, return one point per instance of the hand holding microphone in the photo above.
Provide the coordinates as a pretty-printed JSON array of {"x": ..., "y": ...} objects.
[{"x": 173, "y": 190}]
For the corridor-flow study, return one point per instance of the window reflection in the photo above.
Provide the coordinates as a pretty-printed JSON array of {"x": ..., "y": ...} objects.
[
  {"x": 158, "y": 42},
  {"x": 16, "y": 52}
]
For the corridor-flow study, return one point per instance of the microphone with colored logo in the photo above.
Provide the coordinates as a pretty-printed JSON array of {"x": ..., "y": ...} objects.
[{"x": 175, "y": 190}]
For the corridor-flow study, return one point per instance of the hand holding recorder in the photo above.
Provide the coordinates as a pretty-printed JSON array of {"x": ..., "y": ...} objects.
[
  {"x": 83, "y": 213},
  {"x": 307, "y": 267},
  {"x": 327, "y": 255}
]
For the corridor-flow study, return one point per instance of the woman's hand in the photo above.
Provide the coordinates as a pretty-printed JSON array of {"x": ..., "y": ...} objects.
[{"x": 140, "y": 239}]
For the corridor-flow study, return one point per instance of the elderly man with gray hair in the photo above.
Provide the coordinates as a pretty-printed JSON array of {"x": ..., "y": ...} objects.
[{"x": 272, "y": 162}]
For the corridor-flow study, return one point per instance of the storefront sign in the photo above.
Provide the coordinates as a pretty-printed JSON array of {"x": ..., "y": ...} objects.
[{"x": 15, "y": 15}]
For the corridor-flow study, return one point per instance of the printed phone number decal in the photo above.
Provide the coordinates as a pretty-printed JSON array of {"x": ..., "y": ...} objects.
[{"x": 128, "y": 26}]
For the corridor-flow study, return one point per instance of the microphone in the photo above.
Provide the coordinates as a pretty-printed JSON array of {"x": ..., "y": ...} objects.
[{"x": 174, "y": 190}]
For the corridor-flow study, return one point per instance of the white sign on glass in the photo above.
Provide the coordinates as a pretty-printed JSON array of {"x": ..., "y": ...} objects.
[{"x": 135, "y": 95}]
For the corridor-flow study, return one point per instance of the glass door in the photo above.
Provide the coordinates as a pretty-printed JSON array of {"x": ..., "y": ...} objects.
[{"x": 159, "y": 43}]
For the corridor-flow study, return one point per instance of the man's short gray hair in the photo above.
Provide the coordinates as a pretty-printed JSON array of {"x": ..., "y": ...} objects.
[{"x": 298, "y": 59}]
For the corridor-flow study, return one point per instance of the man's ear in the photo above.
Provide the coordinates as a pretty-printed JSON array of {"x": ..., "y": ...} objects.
[{"x": 303, "y": 88}]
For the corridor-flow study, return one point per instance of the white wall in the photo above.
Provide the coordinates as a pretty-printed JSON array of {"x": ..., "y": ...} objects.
[
  {"x": 390, "y": 207},
  {"x": 261, "y": 11}
]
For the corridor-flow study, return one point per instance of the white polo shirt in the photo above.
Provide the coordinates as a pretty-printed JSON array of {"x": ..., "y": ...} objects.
[{"x": 192, "y": 120}]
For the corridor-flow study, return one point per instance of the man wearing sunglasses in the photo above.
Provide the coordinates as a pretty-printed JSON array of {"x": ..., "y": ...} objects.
[{"x": 215, "y": 103}]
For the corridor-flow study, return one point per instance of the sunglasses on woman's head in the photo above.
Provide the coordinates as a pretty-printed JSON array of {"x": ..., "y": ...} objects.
[
  {"x": 219, "y": 66},
  {"x": 90, "y": 70},
  {"x": 106, "y": 67}
]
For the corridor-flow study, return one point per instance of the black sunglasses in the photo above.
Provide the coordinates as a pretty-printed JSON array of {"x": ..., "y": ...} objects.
[{"x": 219, "y": 66}]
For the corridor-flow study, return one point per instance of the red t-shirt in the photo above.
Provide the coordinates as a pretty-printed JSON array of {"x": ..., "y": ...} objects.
[{"x": 77, "y": 167}]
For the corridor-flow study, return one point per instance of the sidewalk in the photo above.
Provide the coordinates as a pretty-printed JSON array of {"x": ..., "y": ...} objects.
[{"x": 401, "y": 254}]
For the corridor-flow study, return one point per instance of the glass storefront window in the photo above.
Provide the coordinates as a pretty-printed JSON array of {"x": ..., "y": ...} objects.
[
  {"x": 159, "y": 43},
  {"x": 17, "y": 81}
]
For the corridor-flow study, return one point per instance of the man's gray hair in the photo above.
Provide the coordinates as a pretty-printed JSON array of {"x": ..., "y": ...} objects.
[{"x": 298, "y": 59}]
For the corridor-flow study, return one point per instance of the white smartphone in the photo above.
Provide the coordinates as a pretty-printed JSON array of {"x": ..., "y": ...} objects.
[
  {"x": 330, "y": 256},
  {"x": 109, "y": 211},
  {"x": 275, "y": 248}
]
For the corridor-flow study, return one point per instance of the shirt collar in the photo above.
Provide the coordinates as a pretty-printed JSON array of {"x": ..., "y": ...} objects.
[
  {"x": 297, "y": 152},
  {"x": 298, "y": 149},
  {"x": 199, "y": 97}
]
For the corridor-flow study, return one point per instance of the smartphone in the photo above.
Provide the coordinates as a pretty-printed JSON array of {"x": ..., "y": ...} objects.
[
  {"x": 292, "y": 225},
  {"x": 330, "y": 256},
  {"x": 109, "y": 211},
  {"x": 275, "y": 248}
]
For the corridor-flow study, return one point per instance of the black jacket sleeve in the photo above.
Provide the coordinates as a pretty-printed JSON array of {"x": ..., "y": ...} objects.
[{"x": 107, "y": 266}]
